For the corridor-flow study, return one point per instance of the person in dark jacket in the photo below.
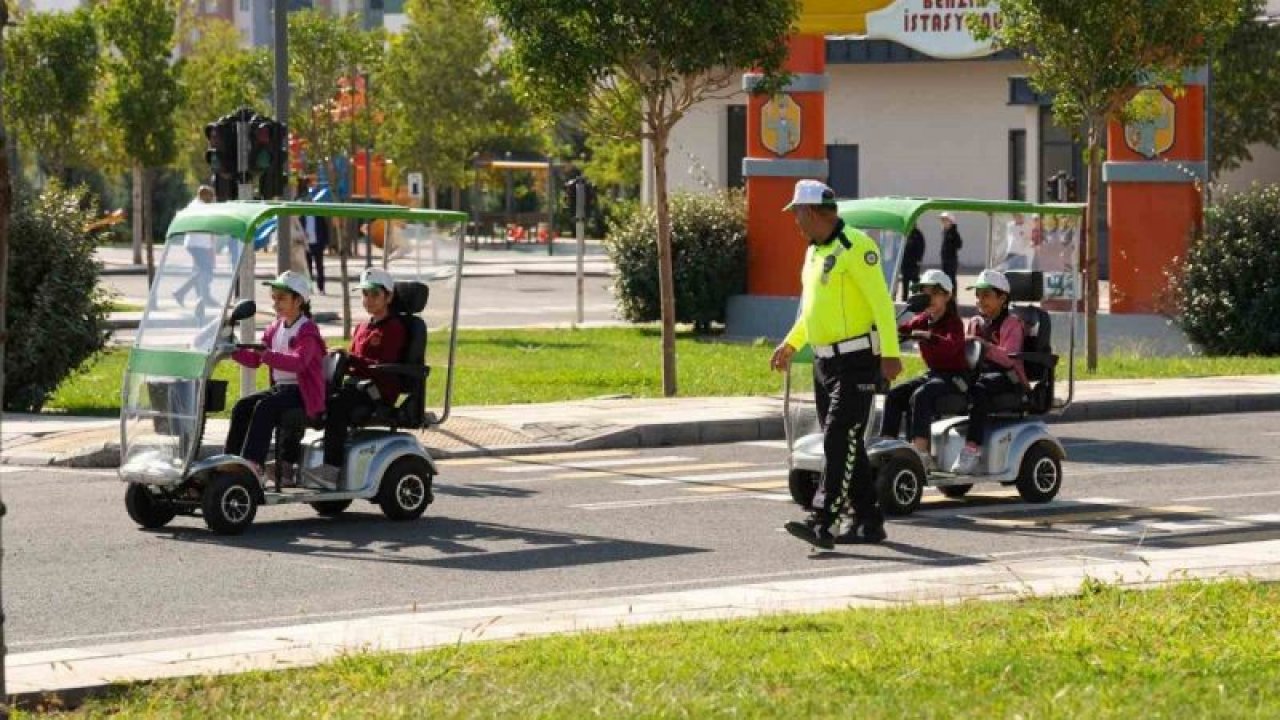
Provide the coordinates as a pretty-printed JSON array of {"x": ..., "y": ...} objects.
[
  {"x": 912, "y": 259},
  {"x": 940, "y": 334},
  {"x": 951, "y": 244},
  {"x": 317, "y": 232}
]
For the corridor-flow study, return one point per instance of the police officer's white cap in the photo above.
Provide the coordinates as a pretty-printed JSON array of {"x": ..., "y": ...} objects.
[
  {"x": 936, "y": 277},
  {"x": 991, "y": 280},
  {"x": 811, "y": 192}
]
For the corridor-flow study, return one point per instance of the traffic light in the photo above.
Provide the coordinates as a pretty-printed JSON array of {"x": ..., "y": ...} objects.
[
  {"x": 265, "y": 149},
  {"x": 271, "y": 159},
  {"x": 221, "y": 152}
]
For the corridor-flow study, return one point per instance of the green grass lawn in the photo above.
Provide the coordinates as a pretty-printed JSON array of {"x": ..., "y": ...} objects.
[
  {"x": 1191, "y": 651},
  {"x": 525, "y": 366}
]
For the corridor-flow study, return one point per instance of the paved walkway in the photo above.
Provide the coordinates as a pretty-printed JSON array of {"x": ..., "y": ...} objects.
[
  {"x": 631, "y": 423},
  {"x": 75, "y": 672}
]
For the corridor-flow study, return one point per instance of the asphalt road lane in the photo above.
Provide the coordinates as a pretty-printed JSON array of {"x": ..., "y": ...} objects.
[{"x": 78, "y": 572}]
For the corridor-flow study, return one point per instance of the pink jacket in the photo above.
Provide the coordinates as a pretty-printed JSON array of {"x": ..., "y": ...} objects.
[
  {"x": 1008, "y": 339},
  {"x": 305, "y": 357}
]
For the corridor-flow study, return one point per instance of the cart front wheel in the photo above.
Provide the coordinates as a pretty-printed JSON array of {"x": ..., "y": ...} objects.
[
  {"x": 229, "y": 504},
  {"x": 900, "y": 486},
  {"x": 146, "y": 508},
  {"x": 405, "y": 490}
]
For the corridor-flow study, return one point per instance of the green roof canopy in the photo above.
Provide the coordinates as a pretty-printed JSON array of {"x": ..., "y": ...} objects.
[
  {"x": 241, "y": 219},
  {"x": 899, "y": 214}
]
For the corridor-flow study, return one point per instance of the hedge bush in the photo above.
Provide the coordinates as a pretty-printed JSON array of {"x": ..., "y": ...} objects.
[
  {"x": 56, "y": 313},
  {"x": 709, "y": 258},
  {"x": 1228, "y": 288}
]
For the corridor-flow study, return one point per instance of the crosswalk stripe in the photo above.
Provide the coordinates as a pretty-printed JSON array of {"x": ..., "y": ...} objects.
[
  {"x": 645, "y": 482},
  {"x": 504, "y": 459},
  {"x": 1119, "y": 513},
  {"x": 766, "y": 485},
  {"x": 604, "y": 472},
  {"x": 575, "y": 465}
]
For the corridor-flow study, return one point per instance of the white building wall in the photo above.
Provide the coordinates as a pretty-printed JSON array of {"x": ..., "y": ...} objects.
[{"x": 1264, "y": 169}]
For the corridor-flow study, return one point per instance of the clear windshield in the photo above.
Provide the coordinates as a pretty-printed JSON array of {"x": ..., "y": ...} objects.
[
  {"x": 165, "y": 378},
  {"x": 1048, "y": 243},
  {"x": 431, "y": 253}
]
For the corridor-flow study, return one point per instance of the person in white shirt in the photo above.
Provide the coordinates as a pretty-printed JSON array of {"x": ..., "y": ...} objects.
[{"x": 200, "y": 246}]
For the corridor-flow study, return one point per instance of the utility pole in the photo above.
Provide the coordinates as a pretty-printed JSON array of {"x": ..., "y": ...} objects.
[
  {"x": 6, "y": 203},
  {"x": 244, "y": 191},
  {"x": 368, "y": 177},
  {"x": 281, "y": 96}
]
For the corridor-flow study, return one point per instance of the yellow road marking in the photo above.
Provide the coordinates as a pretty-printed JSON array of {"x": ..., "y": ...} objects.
[
  {"x": 1120, "y": 513},
  {"x": 523, "y": 459},
  {"x": 645, "y": 472},
  {"x": 973, "y": 495}
]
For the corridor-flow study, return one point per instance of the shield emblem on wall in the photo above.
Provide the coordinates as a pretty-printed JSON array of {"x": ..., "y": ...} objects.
[
  {"x": 1152, "y": 137},
  {"x": 780, "y": 125}
]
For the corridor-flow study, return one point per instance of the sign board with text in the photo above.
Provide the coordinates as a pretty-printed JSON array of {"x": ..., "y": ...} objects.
[
  {"x": 937, "y": 28},
  {"x": 415, "y": 185}
]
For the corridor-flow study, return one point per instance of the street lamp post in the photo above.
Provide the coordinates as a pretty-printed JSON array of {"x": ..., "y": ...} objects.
[{"x": 368, "y": 175}]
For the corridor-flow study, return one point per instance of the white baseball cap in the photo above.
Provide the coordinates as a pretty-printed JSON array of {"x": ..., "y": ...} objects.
[
  {"x": 935, "y": 277},
  {"x": 946, "y": 216},
  {"x": 294, "y": 281},
  {"x": 991, "y": 280},
  {"x": 374, "y": 278},
  {"x": 812, "y": 192}
]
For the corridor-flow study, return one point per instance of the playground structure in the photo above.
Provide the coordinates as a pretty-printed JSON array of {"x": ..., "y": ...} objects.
[{"x": 510, "y": 226}]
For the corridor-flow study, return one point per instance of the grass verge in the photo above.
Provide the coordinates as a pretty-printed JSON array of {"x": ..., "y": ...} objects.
[
  {"x": 1192, "y": 650},
  {"x": 526, "y": 366}
]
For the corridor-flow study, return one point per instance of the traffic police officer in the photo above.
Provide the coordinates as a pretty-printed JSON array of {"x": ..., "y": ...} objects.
[{"x": 847, "y": 316}]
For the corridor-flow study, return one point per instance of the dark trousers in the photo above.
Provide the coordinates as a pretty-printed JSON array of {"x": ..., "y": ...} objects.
[
  {"x": 910, "y": 276},
  {"x": 844, "y": 387},
  {"x": 918, "y": 399},
  {"x": 341, "y": 406},
  {"x": 255, "y": 417},
  {"x": 951, "y": 266},
  {"x": 986, "y": 386},
  {"x": 315, "y": 265}
]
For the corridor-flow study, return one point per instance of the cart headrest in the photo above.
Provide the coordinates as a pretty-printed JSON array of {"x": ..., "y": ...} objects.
[
  {"x": 1025, "y": 285},
  {"x": 411, "y": 297}
]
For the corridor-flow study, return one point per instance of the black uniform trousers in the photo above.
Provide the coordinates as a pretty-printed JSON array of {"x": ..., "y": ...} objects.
[
  {"x": 255, "y": 417},
  {"x": 910, "y": 274},
  {"x": 844, "y": 387}
]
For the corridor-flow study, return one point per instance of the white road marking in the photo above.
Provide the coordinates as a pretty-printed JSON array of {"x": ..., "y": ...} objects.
[
  {"x": 504, "y": 459},
  {"x": 1228, "y": 497},
  {"x": 656, "y": 502},
  {"x": 771, "y": 444},
  {"x": 535, "y": 466},
  {"x": 686, "y": 467},
  {"x": 644, "y": 482}
]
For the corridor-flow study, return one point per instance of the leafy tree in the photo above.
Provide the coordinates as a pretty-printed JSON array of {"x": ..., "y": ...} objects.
[
  {"x": 1246, "y": 89},
  {"x": 438, "y": 63},
  {"x": 218, "y": 77},
  {"x": 53, "y": 61},
  {"x": 575, "y": 55},
  {"x": 1090, "y": 58},
  {"x": 142, "y": 96}
]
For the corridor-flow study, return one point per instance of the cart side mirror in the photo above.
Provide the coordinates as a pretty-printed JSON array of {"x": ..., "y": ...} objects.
[{"x": 243, "y": 310}]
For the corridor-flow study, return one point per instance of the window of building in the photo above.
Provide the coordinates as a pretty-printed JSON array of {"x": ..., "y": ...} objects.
[
  {"x": 735, "y": 145},
  {"x": 244, "y": 6},
  {"x": 1017, "y": 164}
]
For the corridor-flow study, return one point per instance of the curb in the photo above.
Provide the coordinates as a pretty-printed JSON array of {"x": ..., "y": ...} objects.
[{"x": 675, "y": 434}]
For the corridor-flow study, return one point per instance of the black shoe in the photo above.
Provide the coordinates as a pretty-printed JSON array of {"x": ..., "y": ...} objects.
[
  {"x": 874, "y": 534},
  {"x": 816, "y": 535}
]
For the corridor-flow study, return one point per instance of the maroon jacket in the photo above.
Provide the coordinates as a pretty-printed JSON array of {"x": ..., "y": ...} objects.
[
  {"x": 378, "y": 343},
  {"x": 944, "y": 350}
]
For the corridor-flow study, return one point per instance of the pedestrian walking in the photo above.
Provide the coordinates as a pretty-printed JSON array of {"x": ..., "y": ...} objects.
[
  {"x": 200, "y": 246},
  {"x": 912, "y": 259},
  {"x": 847, "y": 316},
  {"x": 951, "y": 244}
]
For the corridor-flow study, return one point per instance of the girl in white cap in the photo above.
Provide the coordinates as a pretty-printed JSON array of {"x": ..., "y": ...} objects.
[
  {"x": 295, "y": 352},
  {"x": 1001, "y": 335}
]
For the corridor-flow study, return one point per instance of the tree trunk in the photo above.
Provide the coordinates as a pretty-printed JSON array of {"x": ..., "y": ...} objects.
[
  {"x": 344, "y": 248},
  {"x": 431, "y": 195},
  {"x": 1090, "y": 247},
  {"x": 137, "y": 213},
  {"x": 146, "y": 225},
  {"x": 6, "y": 207},
  {"x": 456, "y": 198},
  {"x": 666, "y": 275}
]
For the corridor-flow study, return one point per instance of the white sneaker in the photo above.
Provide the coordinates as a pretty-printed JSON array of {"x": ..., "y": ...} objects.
[{"x": 967, "y": 462}]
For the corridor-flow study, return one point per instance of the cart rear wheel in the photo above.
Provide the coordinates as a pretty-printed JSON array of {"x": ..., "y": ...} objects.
[
  {"x": 229, "y": 504},
  {"x": 1040, "y": 475},
  {"x": 405, "y": 490},
  {"x": 955, "y": 492},
  {"x": 331, "y": 508},
  {"x": 803, "y": 485},
  {"x": 146, "y": 508},
  {"x": 900, "y": 486}
]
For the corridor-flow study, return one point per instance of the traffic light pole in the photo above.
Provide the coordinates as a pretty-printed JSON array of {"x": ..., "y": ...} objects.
[
  {"x": 281, "y": 98},
  {"x": 580, "y": 214},
  {"x": 244, "y": 191}
]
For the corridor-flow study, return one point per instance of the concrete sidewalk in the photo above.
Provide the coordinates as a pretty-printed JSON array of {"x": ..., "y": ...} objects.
[
  {"x": 73, "y": 673},
  {"x": 639, "y": 423}
]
